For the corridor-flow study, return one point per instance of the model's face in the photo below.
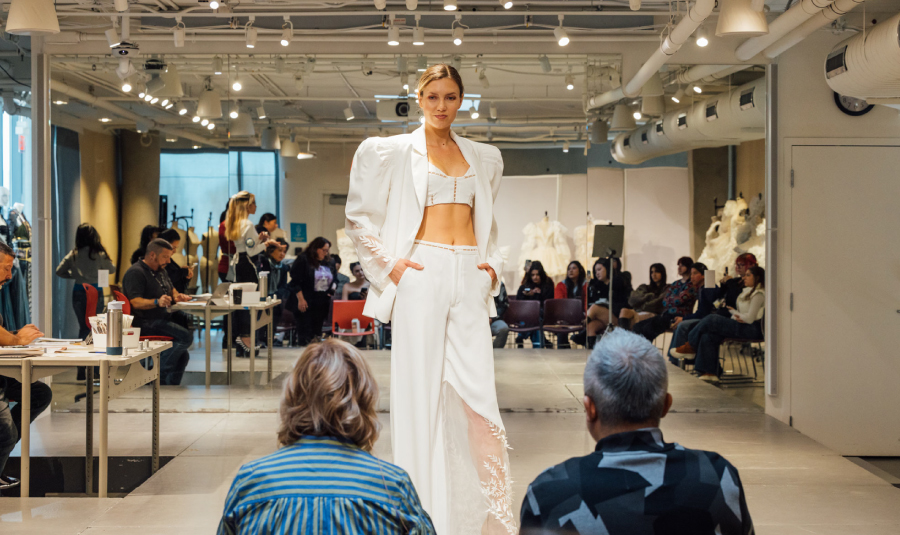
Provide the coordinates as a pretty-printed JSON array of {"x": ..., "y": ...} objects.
[
  {"x": 358, "y": 272},
  {"x": 535, "y": 276},
  {"x": 655, "y": 276},
  {"x": 697, "y": 278},
  {"x": 440, "y": 101},
  {"x": 323, "y": 252},
  {"x": 572, "y": 273},
  {"x": 600, "y": 272},
  {"x": 749, "y": 279}
]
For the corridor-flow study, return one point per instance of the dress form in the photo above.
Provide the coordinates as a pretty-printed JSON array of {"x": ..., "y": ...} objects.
[
  {"x": 209, "y": 263},
  {"x": 191, "y": 246},
  {"x": 546, "y": 241},
  {"x": 347, "y": 252}
]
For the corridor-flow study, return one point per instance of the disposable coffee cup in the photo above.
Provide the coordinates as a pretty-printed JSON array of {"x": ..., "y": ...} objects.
[{"x": 237, "y": 296}]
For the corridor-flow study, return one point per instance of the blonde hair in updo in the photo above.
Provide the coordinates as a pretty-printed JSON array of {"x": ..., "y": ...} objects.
[
  {"x": 330, "y": 393},
  {"x": 439, "y": 71}
]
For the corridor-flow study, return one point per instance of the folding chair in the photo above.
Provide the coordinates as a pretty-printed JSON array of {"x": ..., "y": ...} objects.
[{"x": 563, "y": 316}]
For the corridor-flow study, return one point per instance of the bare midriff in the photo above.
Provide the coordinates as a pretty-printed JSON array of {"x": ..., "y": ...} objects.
[{"x": 449, "y": 224}]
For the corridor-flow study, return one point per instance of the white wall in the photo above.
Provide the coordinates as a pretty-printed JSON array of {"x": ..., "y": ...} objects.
[{"x": 807, "y": 115}]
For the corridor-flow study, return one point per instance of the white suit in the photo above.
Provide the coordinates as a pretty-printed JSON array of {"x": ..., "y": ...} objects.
[{"x": 445, "y": 422}]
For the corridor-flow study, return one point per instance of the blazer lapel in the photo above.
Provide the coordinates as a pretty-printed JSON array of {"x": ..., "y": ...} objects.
[
  {"x": 419, "y": 166},
  {"x": 484, "y": 201}
]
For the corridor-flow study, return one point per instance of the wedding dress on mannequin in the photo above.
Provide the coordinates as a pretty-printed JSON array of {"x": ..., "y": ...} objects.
[
  {"x": 546, "y": 241},
  {"x": 584, "y": 241},
  {"x": 347, "y": 252}
]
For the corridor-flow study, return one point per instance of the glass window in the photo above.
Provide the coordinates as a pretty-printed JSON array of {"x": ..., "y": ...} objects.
[{"x": 259, "y": 177}]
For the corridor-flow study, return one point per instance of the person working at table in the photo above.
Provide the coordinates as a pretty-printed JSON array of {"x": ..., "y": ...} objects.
[
  {"x": 10, "y": 389},
  {"x": 150, "y": 291}
]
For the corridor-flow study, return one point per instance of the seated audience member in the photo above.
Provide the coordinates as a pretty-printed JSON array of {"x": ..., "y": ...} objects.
[
  {"x": 646, "y": 301},
  {"x": 11, "y": 389},
  {"x": 574, "y": 287},
  {"x": 536, "y": 286},
  {"x": 341, "y": 279},
  {"x": 731, "y": 287},
  {"x": 626, "y": 275},
  {"x": 358, "y": 288},
  {"x": 180, "y": 276},
  {"x": 269, "y": 223},
  {"x": 273, "y": 262},
  {"x": 323, "y": 478},
  {"x": 634, "y": 483},
  {"x": 148, "y": 288},
  {"x": 598, "y": 316},
  {"x": 745, "y": 322},
  {"x": 148, "y": 234},
  {"x": 678, "y": 300},
  {"x": 706, "y": 305},
  {"x": 499, "y": 328}
]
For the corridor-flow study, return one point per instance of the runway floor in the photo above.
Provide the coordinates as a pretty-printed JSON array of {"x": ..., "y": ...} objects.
[{"x": 793, "y": 484}]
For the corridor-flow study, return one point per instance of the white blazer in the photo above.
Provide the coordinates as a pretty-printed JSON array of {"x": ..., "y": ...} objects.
[{"x": 386, "y": 202}]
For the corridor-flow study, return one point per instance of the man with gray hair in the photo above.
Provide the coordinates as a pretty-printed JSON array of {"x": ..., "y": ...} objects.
[{"x": 634, "y": 483}]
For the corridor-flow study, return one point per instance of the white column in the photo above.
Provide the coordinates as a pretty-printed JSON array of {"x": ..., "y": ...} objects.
[{"x": 42, "y": 271}]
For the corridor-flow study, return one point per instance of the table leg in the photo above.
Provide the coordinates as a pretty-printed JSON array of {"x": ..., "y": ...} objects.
[
  {"x": 155, "y": 449},
  {"x": 89, "y": 431},
  {"x": 270, "y": 341},
  {"x": 206, "y": 320},
  {"x": 252, "y": 347},
  {"x": 104, "y": 426},
  {"x": 228, "y": 350},
  {"x": 25, "y": 431}
]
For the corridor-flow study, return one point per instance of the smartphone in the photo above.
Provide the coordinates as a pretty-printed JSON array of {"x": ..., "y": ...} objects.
[{"x": 726, "y": 270}]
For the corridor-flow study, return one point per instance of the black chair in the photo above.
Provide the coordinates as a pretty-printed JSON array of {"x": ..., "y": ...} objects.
[
  {"x": 524, "y": 317},
  {"x": 563, "y": 316}
]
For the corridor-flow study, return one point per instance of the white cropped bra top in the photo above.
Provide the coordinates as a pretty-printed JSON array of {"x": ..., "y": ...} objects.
[{"x": 443, "y": 189}]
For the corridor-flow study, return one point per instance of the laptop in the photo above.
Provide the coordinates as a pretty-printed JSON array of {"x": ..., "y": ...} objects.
[{"x": 218, "y": 296}]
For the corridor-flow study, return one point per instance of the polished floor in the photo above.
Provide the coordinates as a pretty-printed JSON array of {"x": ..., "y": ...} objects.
[{"x": 793, "y": 484}]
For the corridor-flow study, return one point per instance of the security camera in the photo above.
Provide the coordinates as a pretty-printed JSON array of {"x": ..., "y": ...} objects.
[{"x": 126, "y": 50}]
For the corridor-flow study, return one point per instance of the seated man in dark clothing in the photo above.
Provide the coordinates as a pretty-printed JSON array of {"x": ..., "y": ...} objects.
[
  {"x": 634, "y": 483},
  {"x": 11, "y": 389},
  {"x": 148, "y": 288}
]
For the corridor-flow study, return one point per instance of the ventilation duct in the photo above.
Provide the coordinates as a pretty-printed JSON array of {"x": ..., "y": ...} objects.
[
  {"x": 821, "y": 19},
  {"x": 725, "y": 119},
  {"x": 867, "y": 65}
]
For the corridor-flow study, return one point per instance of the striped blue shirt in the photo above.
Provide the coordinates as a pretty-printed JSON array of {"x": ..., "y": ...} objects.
[{"x": 323, "y": 486}]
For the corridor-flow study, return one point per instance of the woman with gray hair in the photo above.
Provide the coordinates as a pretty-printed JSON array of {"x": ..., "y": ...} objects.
[{"x": 633, "y": 482}]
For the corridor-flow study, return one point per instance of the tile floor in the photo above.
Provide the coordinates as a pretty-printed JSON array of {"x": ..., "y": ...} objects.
[{"x": 793, "y": 484}]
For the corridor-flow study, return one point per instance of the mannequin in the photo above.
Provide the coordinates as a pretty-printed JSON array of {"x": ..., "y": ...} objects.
[
  {"x": 191, "y": 246},
  {"x": 346, "y": 251},
  {"x": 584, "y": 240},
  {"x": 546, "y": 241},
  {"x": 209, "y": 263}
]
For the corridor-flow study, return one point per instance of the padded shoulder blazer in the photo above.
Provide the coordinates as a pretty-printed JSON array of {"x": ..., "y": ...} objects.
[{"x": 386, "y": 202}]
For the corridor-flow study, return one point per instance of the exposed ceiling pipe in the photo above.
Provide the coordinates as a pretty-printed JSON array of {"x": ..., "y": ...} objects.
[
  {"x": 820, "y": 19},
  {"x": 725, "y": 119},
  {"x": 130, "y": 115},
  {"x": 697, "y": 72},
  {"x": 671, "y": 44},
  {"x": 867, "y": 65},
  {"x": 778, "y": 28},
  {"x": 722, "y": 74},
  {"x": 79, "y": 37}
]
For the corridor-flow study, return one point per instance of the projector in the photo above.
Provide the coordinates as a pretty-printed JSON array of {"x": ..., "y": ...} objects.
[{"x": 126, "y": 50}]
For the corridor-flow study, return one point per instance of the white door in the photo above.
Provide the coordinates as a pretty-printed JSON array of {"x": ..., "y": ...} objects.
[{"x": 845, "y": 326}]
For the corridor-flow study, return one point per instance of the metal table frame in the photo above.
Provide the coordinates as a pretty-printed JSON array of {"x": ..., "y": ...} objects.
[
  {"x": 208, "y": 311},
  {"x": 29, "y": 369}
]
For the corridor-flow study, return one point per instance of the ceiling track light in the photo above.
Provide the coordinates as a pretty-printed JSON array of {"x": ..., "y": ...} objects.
[
  {"x": 678, "y": 96},
  {"x": 179, "y": 33},
  {"x": 250, "y": 33},
  {"x": 217, "y": 65},
  {"x": 493, "y": 111},
  {"x": 204, "y": 122},
  {"x": 421, "y": 63},
  {"x": 164, "y": 103},
  {"x": 637, "y": 116},
  {"x": 154, "y": 100},
  {"x": 287, "y": 31},
  {"x": 121, "y": 5},
  {"x": 404, "y": 81},
  {"x": 570, "y": 81},
  {"x": 418, "y": 33},
  {"x": 211, "y": 126},
  {"x": 60, "y": 99},
  {"x": 473, "y": 112},
  {"x": 393, "y": 35},
  {"x": 112, "y": 37},
  {"x": 411, "y": 5},
  {"x": 348, "y": 111},
  {"x": 235, "y": 110},
  {"x": 562, "y": 37},
  {"x": 507, "y": 4},
  {"x": 545, "y": 63},
  {"x": 380, "y": 4},
  {"x": 237, "y": 85},
  {"x": 697, "y": 89},
  {"x": 482, "y": 77},
  {"x": 216, "y": 4},
  {"x": 565, "y": 146},
  {"x": 196, "y": 119},
  {"x": 450, "y": 5},
  {"x": 261, "y": 111},
  {"x": 169, "y": 105},
  {"x": 458, "y": 35},
  {"x": 701, "y": 38},
  {"x": 182, "y": 109}
]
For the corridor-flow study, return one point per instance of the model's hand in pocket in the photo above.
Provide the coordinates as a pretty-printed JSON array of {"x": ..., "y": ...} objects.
[
  {"x": 487, "y": 267},
  {"x": 400, "y": 268}
]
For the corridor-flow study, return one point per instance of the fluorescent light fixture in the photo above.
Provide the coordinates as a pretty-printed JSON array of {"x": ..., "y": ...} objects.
[
  {"x": 450, "y": 5},
  {"x": 261, "y": 111},
  {"x": 251, "y": 35},
  {"x": 418, "y": 36},
  {"x": 545, "y": 63},
  {"x": 458, "y": 35},
  {"x": 112, "y": 37},
  {"x": 507, "y": 4},
  {"x": 182, "y": 109},
  {"x": 394, "y": 35},
  {"x": 702, "y": 39},
  {"x": 217, "y": 65},
  {"x": 32, "y": 17},
  {"x": 348, "y": 112},
  {"x": 565, "y": 146},
  {"x": 570, "y": 82}
]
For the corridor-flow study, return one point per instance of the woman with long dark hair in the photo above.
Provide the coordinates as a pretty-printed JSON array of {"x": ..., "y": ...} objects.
[
  {"x": 536, "y": 286},
  {"x": 646, "y": 301},
  {"x": 312, "y": 287},
  {"x": 599, "y": 314},
  {"x": 574, "y": 287},
  {"x": 148, "y": 234},
  {"x": 83, "y": 264}
]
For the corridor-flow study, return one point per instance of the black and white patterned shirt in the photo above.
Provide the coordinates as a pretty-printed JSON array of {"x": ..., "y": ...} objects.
[{"x": 636, "y": 484}]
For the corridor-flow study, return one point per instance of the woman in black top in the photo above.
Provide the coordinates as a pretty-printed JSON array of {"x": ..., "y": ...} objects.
[
  {"x": 598, "y": 316},
  {"x": 536, "y": 286},
  {"x": 312, "y": 286},
  {"x": 646, "y": 301}
]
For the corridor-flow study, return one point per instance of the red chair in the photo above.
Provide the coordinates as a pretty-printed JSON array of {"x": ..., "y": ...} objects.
[
  {"x": 126, "y": 309},
  {"x": 92, "y": 297},
  {"x": 343, "y": 314}
]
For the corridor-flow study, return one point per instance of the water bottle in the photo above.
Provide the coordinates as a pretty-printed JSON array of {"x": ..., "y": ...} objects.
[
  {"x": 114, "y": 328},
  {"x": 263, "y": 285},
  {"x": 355, "y": 324}
]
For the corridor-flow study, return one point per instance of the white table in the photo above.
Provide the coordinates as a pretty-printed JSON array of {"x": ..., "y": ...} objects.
[
  {"x": 30, "y": 369},
  {"x": 209, "y": 310}
]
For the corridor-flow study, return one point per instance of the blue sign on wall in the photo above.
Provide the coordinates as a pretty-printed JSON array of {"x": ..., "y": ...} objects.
[{"x": 298, "y": 232}]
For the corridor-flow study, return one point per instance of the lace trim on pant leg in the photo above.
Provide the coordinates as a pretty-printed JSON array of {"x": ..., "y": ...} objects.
[{"x": 498, "y": 490}]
